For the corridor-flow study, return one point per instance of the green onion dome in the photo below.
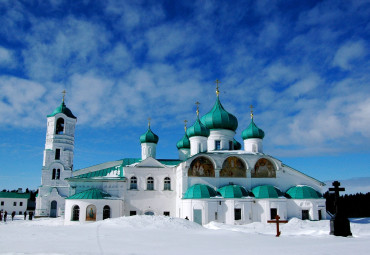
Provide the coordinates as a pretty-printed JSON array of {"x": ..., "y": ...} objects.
[
  {"x": 233, "y": 191},
  {"x": 219, "y": 118},
  {"x": 237, "y": 145},
  {"x": 252, "y": 131},
  {"x": 303, "y": 192},
  {"x": 62, "y": 108},
  {"x": 149, "y": 137},
  {"x": 184, "y": 143},
  {"x": 200, "y": 191},
  {"x": 266, "y": 191},
  {"x": 197, "y": 129}
]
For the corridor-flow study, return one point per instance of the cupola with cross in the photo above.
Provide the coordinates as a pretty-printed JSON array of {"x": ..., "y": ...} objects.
[
  {"x": 197, "y": 134},
  {"x": 148, "y": 142},
  {"x": 222, "y": 126},
  {"x": 183, "y": 145},
  {"x": 253, "y": 136}
]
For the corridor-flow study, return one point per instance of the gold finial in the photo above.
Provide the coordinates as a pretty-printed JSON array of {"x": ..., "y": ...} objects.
[
  {"x": 197, "y": 103},
  {"x": 217, "y": 91},
  {"x": 149, "y": 119},
  {"x": 185, "y": 121},
  {"x": 251, "y": 111},
  {"x": 64, "y": 94}
]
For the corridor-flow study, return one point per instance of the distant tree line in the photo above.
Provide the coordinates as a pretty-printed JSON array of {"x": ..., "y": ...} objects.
[{"x": 354, "y": 205}]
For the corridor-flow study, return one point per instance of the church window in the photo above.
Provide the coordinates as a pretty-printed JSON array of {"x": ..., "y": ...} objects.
[
  {"x": 57, "y": 154},
  {"x": 53, "y": 174},
  {"x": 237, "y": 214},
  {"x": 216, "y": 216},
  {"x": 320, "y": 214},
  {"x": 150, "y": 213},
  {"x": 75, "y": 213},
  {"x": 167, "y": 183},
  {"x": 305, "y": 215},
  {"x": 20, "y": 203},
  {"x": 166, "y": 213},
  {"x": 150, "y": 183},
  {"x": 14, "y": 203},
  {"x": 60, "y": 126},
  {"x": 106, "y": 212},
  {"x": 254, "y": 148},
  {"x": 273, "y": 213},
  {"x": 2, "y": 202},
  {"x": 230, "y": 145},
  {"x": 217, "y": 145},
  {"x": 132, "y": 213},
  {"x": 133, "y": 182},
  {"x": 20, "y": 212},
  {"x": 57, "y": 176}
]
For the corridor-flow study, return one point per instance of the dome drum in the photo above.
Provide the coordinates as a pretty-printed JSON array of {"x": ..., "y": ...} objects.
[{"x": 220, "y": 139}]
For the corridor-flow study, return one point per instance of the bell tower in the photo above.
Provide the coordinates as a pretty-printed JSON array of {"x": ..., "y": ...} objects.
[{"x": 57, "y": 163}]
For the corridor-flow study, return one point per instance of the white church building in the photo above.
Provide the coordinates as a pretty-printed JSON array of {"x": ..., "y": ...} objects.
[{"x": 214, "y": 179}]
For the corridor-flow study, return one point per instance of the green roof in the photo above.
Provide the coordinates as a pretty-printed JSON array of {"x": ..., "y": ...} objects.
[
  {"x": 252, "y": 131},
  {"x": 170, "y": 162},
  {"x": 200, "y": 191},
  {"x": 237, "y": 145},
  {"x": 184, "y": 143},
  {"x": 129, "y": 161},
  {"x": 233, "y": 191},
  {"x": 266, "y": 191},
  {"x": 197, "y": 129},
  {"x": 62, "y": 108},
  {"x": 90, "y": 194},
  {"x": 303, "y": 192},
  {"x": 149, "y": 137},
  {"x": 219, "y": 118},
  {"x": 14, "y": 195},
  {"x": 99, "y": 173}
]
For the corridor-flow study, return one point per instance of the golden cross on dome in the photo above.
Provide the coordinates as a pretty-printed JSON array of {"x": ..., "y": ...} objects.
[
  {"x": 185, "y": 121},
  {"x": 217, "y": 91},
  {"x": 64, "y": 94},
  {"x": 197, "y": 103},
  {"x": 149, "y": 119},
  {"x": 251, "y": 111}
]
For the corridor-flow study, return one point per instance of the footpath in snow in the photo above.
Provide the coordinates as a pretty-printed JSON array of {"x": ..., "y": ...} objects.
[{"x": 166, "y": 235}]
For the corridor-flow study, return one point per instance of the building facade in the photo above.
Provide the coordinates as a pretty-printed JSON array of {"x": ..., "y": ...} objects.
[{"x": 214, "y": 179}]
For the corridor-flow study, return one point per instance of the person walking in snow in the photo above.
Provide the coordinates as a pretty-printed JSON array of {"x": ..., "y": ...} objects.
[
  {"x": 5, "y": 215},
  {"x": 30, "y": 215},
  {"x": 1, "y": 215},
  {"x": 13, "y": 214},
  {"x": 25, "y": 215}
]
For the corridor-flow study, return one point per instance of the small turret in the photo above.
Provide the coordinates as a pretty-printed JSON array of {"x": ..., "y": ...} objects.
[
  {"x": 197, "y": 134},
  {"x": 184, "y": 146},
  {"x": 253, "y": 136},
  {"x": 148, "y": 142}
]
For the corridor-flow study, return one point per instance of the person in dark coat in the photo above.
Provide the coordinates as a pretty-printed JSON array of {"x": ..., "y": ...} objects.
[
  {"x": 1, "y": 215},
  {"x": 13, "y": 214},
  {"x": 25, "y": 215},
  {"x": 186, "y": 218},
  {"x": 5, "y": 215},
  {"x": 30, "y": 215}
]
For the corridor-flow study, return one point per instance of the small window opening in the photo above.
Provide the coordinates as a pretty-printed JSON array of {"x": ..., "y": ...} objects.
[
  {"x": 150, "y": 183},
  {"x": 237, "y": 214},
  {"x": 230, "y": 145},
  {"x": 59, "y": 130},
  {"x": 273, "y": 213},
  {"x": 217, "y": 145},
  {"x": 57, "y": 176},
  {"x": 53, "y": 174},
  {"x": 57, "y": 154},
  {"x": 132, "y": 213},
  {"x": 166, "y": 213},
  {"x": 167, "y": 183},
  {"x": 133, "y": 182}
]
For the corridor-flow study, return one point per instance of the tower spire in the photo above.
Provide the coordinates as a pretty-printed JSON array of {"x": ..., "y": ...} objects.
[
  {"x": 251, "y": 106},
  {"x": 197, "y": 103},
  {"x": 217, "y": 88},
  {"x": 64, "y": 94},
  {"x": 185, "y": 121}
]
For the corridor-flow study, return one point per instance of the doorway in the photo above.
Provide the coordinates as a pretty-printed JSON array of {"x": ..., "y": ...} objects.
[
  {"x": 53, "y": 209},
  {"x": 197, "y": 213}
]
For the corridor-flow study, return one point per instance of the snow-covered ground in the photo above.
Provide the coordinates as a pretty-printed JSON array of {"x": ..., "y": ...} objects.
[{"x": 165, "y": 235}]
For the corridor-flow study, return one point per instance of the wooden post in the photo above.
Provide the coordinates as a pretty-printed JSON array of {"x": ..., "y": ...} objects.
[{"x": 277, "y": 221}]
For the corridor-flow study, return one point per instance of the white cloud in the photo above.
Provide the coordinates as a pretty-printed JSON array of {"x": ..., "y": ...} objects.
[
  {"x": 349, "y": 53},
  {"x": 7, "y": 59}
]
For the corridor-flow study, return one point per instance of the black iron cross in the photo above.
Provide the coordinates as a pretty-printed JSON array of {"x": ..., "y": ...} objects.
[{"x": 336, "y": 190}]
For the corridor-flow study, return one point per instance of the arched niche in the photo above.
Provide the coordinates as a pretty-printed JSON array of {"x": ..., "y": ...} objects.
[
  {"x": 233, "y": 167},
  {"x": 201, "y": 167},
  {"x": 264, "y": 168},
  {"x": 91, "y": 213},
  {"x": 59, "y": 129}
]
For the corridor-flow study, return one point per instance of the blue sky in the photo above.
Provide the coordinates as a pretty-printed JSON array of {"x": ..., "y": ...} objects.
[{"x": 304, "y": 65}]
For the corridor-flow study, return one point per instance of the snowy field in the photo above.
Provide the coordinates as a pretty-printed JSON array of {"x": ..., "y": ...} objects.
[{"x": 165, "y": 235}]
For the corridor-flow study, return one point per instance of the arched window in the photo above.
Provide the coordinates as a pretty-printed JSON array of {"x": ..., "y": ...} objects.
[
  {"x": 59, "y": 130},
  {"x": 150, "y": 213},
  {"x": 106, "y": 212},
  {"x": 76, "y": 213},
  {"x": 57, "y": 176},
  {"x": 233, "y": 167},
  {"x": 53, "y": 209},
  {"x": 167, "y": 183},
  {"x": 150, "y": 183},
  {"x": 264, "y": 168},
  {"x": 53, "y": 174},
  {"x": 133, "y": 182},
  {"x": 91, "y": 213},
  {"x": 201, "y": 167}
]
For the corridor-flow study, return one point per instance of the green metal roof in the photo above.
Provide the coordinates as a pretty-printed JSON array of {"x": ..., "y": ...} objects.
[
  {"x": 90, "y": 194},
  {"x": 219, "y": 118},
  {"x": 170, "y": 162},
  {"x": 197, "y": 129},
  {"x": 266, "y": 191},
  {"x": 14, "y": 195},
  {"x": 149, "y": 137},
  {"x": 252, "y": 131},
  {"x": 184, "y": 143},
  {"x": 99, "y": 173},
  {"x": 237, "y": 145},
  {"x": 303, "y": 192},
  {"x": 200, "y": 191},
  {"x": 233, "y": 191},
  {"x": 129, "y": 161},
  {"x": 62, "y": 108}
]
